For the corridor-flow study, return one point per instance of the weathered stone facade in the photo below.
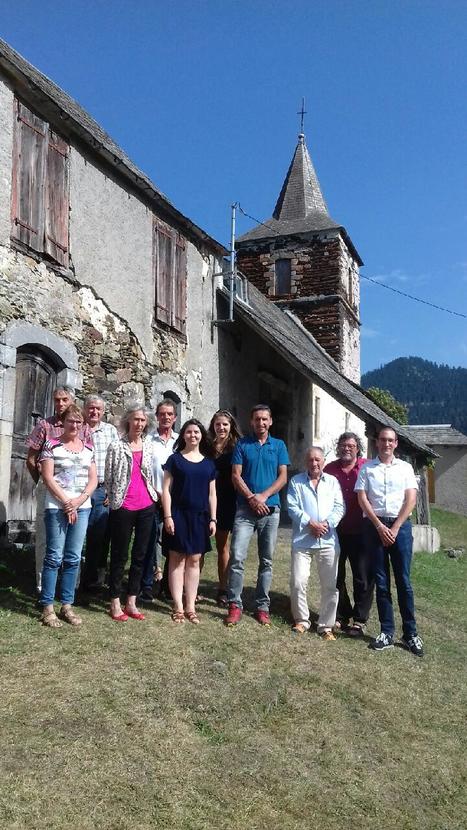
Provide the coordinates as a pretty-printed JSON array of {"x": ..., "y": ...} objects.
[{"x": 94, "y": 321}]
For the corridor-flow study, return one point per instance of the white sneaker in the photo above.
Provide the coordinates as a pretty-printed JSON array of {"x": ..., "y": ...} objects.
[{"x": 382, "y": 641}]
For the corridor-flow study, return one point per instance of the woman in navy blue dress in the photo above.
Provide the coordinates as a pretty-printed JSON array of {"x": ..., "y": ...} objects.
[
  {"x": 190, "y": 510},
  {"x": 224, "y": 433}
]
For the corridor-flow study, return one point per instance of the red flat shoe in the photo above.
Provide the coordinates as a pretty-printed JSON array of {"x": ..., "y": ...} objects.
[
  {"x": 119, "y": 617},
  {"x": 135, "y": 615}
]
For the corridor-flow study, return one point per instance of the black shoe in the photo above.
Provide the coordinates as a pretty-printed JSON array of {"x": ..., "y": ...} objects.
[
  {"x": 356, "y": 630},
  {"x": 146, "y": 597},
  {"x": 414, "y": 644},
  {"x": 222, "y": 599},
  {"x": 382, "y": 641}
]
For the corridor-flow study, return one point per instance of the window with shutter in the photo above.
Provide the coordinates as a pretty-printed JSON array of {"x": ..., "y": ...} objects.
[
  {"x": 169, "y": 263},
  {"x": 180, "y": 287},
  {"x": 39, "y": 203},
  {"x": 56, "y": 201}
]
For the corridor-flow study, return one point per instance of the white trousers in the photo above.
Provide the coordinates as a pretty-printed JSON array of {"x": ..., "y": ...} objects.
[{"x": 327, "y": 561}]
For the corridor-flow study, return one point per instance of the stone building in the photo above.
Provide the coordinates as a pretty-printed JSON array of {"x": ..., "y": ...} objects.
[
  {"x": 103, "y": 282},
  {"x": 446, "y": 480},
  {"x": 107, "y": 287}
]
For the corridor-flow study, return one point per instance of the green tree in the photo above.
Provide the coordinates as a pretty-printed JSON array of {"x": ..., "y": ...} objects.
[{"x": 384, "y": 399}]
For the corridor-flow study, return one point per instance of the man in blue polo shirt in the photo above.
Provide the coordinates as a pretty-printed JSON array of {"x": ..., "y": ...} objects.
[{"x": 259, "y": 472}]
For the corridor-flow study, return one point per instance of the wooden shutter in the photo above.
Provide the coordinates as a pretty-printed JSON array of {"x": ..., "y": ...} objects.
[
  {"x": 179, "y": 319},
  {"x": 163, "y": 263},
  {"x": 56, "y": 200},
  {"x": 28, "y": 179}
]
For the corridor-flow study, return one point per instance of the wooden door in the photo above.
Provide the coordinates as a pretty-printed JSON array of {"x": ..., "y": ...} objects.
[{"x": 35, "y": 382}]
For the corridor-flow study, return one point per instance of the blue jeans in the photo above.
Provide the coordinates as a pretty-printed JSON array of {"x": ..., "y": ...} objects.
[
  {"x": 245, "y": 524},
  {"x": 63, "y": 547},
  {"x": 97, "y": 537},
  {"x": 399, "y": 555}
]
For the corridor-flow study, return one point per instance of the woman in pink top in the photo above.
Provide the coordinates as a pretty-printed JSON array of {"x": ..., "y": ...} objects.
[{"x": 132, "y": 497}]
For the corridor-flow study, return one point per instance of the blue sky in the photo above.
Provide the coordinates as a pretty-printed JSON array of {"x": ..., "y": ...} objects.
[{"x": 203, "y": 96}]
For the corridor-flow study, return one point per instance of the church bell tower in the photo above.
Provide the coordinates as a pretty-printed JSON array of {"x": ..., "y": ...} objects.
[{"x": 305, "y": 262}]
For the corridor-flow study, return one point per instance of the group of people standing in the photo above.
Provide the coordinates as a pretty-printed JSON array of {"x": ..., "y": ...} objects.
[{"x": 167, "y": 495}]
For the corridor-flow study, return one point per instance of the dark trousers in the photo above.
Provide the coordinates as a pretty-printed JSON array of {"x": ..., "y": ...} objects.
[
  {"x": 354, "y": 550},
  {"x": 150, "y": 557},
  {"x": 399, "y": 555},
  {"x": 122, "y": 524},
  {"x": 97, "y": 537}
]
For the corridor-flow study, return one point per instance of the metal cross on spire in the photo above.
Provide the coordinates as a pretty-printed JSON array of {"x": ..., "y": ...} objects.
[{"x": 302, "y": 114}]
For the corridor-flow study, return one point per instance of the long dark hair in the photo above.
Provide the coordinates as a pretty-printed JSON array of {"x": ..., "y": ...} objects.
[
  {"x": 205, "y": 445},
  {"x": 233, "y": 435}
]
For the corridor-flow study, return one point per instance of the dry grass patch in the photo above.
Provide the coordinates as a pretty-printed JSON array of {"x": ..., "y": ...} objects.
[{"x": 154, "y": 725}]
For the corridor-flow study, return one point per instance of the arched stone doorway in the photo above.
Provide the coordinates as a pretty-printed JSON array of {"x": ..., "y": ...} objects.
[{"x": 33, "y": 361}]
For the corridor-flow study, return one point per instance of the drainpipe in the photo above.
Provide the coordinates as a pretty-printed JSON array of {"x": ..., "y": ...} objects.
[{"x": 233, "y": 274}]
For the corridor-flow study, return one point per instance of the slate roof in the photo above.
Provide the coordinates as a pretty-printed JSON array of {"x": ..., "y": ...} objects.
[
  {"x": 284, "y": 332},
  {"x": 300, "y": 208},
  {"x": 70, "y": 119},
  {"x": 301, "y": 193},
  {"x": 438, "y": 434}
]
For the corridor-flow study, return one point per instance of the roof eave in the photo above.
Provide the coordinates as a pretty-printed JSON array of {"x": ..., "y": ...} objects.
[
  {"x": 378, "y": 419},
  {"x": 245, "y": 240}
]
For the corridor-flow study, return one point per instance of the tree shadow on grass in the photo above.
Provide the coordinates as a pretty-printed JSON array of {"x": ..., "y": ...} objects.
[
  {"x": 280, "y": 603},
  {"x": 17, "y": 580}
]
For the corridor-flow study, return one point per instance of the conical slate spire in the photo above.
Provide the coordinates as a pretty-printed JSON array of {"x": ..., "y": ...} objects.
[
  {"x": 300, "y": 207},
  {"x": 301, "y": 193}
]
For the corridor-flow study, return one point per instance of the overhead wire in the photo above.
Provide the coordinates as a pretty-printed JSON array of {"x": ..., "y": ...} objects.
[{"x": 364, "y": 276}]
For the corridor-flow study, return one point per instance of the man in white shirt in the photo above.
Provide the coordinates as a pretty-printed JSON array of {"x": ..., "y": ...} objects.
[
  {"x": 387, "y": 493},
  {"x": 164, "y": 439},
  {"x": 316, "y": 506},
  {"x": 97, "y": 536}
]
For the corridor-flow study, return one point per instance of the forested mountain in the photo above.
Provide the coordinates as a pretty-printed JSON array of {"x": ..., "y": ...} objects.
[{"x": 435, "y": 394}]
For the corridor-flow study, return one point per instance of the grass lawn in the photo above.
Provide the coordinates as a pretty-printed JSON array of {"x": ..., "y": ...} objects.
[{"x": 156, "y": 725}]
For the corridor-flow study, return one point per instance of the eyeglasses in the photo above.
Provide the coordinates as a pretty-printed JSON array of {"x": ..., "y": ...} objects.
[
  {"x": 70, "y": 421},
  {"x": 347, "y": 447}
]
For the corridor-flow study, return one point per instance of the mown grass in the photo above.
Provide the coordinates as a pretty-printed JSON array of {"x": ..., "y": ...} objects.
[{"x": 152, "y": 725}]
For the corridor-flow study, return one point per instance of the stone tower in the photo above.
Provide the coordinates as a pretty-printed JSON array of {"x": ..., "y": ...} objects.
[{"x": 305, "y": 262}]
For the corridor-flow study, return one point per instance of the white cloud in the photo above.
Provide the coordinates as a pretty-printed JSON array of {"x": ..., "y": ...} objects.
[
  {"x": 365, "y": 331},
  {"x": 397, "y": 275}
]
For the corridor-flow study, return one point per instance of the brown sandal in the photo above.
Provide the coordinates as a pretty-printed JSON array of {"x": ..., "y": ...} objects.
[
  {"x": 51, "y": 620},
  {"x": 66, "y": 613},
  {"x": 178, "y": 617},
  {"x": 192, "y": 617}
]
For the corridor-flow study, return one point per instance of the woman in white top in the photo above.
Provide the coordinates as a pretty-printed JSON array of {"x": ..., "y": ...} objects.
[{"x": 69, "y": 473}]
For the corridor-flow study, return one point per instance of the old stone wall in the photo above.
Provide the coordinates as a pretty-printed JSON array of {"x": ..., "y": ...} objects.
[
  {"x": 111, "y": 245},
  {"x": 104, "y": 302},
  {"x": 111, "y": 359}
]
